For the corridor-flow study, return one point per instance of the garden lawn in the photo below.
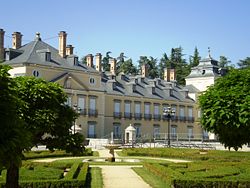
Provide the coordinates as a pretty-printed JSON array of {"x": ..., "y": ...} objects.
[{"x": 208, "y": 168}]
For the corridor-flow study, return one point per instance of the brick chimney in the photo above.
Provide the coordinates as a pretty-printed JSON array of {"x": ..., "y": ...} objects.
[
  {"x": 16, "y": 40},
  {"x": 2, "y": 44},
  {"x": 112, "y": 62},
  {"x": 69, "y": 50},
  {"x": 144, "y": 70},
  {"x": 169, "y": 74},
  {"x": 98, "y": 62},
  {"x": 62, "y": 43},
  {"x": 89, "y": 59}
]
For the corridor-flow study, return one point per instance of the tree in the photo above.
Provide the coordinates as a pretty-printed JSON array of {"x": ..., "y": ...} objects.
[
  {"x": 224, "y": 62},
  {"x": 84, "y": 60},
  {"x": 195, "y": 59},
  {"x": 12, "y": 133},
  {"x": 127, "y": 67},
  {"x": 244, "y": 63},
  {"x": 105, "y": 61},
  {"x": 44, "y": 119},
  {"x": 179, "y": 64},
  {"x": 164, "y": 63},
  {"x": 152, "y": 65},
  {"x": 120, "y": 61},
  {"x": 226, "y": 106}
]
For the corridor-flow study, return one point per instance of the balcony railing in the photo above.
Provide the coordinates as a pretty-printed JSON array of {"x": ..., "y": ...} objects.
[
  {"x": 182, "y": 118},
  {"x": 127, "y": 115},
  {"x": 147, "y": 116},
  {"x": 91, "y": 135},
  {"x": 83, "y": 111},
  {"x": 157, "y": 117},
  {"x": 137, "y": 115},
  {"x": 190, "y": 119},
  {"x": 117, "y": 115},
  {"x": 173, "y": 118},
  {"x": 93, "y": 113}
]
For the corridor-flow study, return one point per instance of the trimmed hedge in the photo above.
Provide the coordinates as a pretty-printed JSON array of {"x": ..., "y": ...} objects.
[
  {"x": 76, "y": 177},
  {"x": 74, "y": 171},
  {"x": 51, "y": 154},
  {"x": 209, "y": 176}
]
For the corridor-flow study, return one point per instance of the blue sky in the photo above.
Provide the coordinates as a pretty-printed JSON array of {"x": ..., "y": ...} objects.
[{"x": 135, "y": 27}]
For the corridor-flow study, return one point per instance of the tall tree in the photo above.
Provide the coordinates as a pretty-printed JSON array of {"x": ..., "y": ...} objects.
[
  {"x": 45, "y": 119},
  {"x": 127, "y": 67},
  {"x": 83, "y": 60},
  {"x": 226, "y": 106},
  {"x": 244, "y": 63},
  {"x": 13, "y": 137},
  {"x": 105, "y": 61},
  {"x": 224, "y": 62},
  {"x": 152, "y": 65},
  {"x": 179, "y": 64},
  {"x": 164, "y": 63},
  {"x": 195, "y": 59},
  {"x": 120, "y": 61}
]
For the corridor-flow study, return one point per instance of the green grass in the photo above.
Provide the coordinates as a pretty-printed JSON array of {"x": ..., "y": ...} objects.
[
  {"x": 153, "y": 180},
  {"x": 210, "y": 169}
]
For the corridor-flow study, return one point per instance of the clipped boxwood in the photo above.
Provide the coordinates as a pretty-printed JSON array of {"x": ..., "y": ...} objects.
[{"x": 74, "y": 171}]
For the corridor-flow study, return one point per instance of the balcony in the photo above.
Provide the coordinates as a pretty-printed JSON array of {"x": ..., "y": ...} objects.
[
  {"x": 157, "y": 117},
  {"x": 83, "y": 111},
  {"x": 173, "y": 118},
  {"x": 147, "y": 116},
  {"x": 93, "y": 113},
  {"x": 91, "y": 136},
  {"x": 127, "y": 115},
  {"x": 190, "y": 119},
  {"x": 137, "y": 115},
  {"x": 117, "y": 115},
  {"x": 182, "y": 118}
]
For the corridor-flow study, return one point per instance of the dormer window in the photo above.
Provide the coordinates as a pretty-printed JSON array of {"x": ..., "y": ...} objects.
[{"x": 47, "y": 56}]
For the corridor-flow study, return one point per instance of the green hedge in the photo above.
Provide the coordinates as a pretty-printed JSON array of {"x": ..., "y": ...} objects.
[
  {"x": 56, "y": 153},
  {"x": 201, "y": 175},
  {"x": 76, "y": 177},
  {"x": 74, "y": 171}
]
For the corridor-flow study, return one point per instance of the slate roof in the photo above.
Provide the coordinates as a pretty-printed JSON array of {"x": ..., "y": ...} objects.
[
  {"x": 208, "y": 67},
  {"x": 123, "y": 85},
  {"x": 138, "y": 86},
  {"x": 30, "y": 53}
]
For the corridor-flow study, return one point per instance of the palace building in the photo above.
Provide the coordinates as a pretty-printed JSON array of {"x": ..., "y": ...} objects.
[{"x": 107, "y": 101}]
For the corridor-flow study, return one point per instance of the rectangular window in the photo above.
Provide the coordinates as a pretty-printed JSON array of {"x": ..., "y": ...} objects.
[
  {"x": 147, "y": 108},
  {"x": 190, "y": 132},
  {"x": 156, "y": 109},
  {"x": 127, "y": 107},
  {"x": 156, "y": 131},
  {"x": 182, "y": 112},
  {"x": 91, "y": 130},
  {"x": 117, "y": 106},
  {"x": 81, "y": 102},
  {"x": 190, "y": 112},
  {"x": 173, "y": 132},
  {"x": 117, "y": 130},
  {"x": 138, "y": 130},
  {"x": 137, "y": 107},
  {"x": 92, "y": 103}
]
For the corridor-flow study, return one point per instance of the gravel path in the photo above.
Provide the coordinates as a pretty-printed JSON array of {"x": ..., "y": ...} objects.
[{"x": 121, "y": 177}]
